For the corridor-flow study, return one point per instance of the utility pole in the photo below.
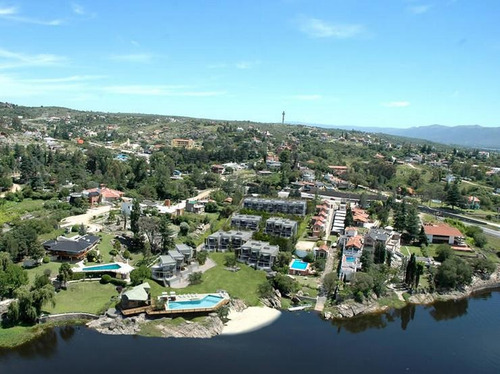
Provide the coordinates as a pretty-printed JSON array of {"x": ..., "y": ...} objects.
[{"x": 283, "y": 118}]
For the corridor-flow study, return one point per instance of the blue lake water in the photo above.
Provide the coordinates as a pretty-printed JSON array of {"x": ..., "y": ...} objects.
[{"x": 452, "y": 337}]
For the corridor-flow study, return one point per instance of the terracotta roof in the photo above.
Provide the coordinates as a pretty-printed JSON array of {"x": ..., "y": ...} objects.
[
  {"x": 442, "y": 230},
  {"x": 107, "y": 192},
  {"x": 355, "y": 241},
  {"x": 351, "y": 228},
  {"x": 473, "y": 199}
]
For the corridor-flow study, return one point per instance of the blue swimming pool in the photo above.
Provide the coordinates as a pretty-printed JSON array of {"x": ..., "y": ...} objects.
[
  {"x": 102, "y": 267},
  {"x": 298, "y": 265},
  {"x": 208, "y": 301},
  {"x": 350, "y": 259}
]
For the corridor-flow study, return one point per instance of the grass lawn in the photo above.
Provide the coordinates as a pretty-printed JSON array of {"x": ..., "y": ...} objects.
[
  {"x": 87, "y": 297},
  {"x": 17, "y": 335},
  {"x": 241, "y": 284},
  {"x": 409, "y": 249},
  {"x": 106, "y": 245},
  {"x": 52, "y": 266}
]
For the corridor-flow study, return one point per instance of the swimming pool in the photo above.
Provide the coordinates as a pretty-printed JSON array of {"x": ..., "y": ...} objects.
[
  {"x": 102, "y": 267},
  {"x": 350, "y": 259},
  {"x": 208, "y": 301},
  {"x": 298, "y": 265}
]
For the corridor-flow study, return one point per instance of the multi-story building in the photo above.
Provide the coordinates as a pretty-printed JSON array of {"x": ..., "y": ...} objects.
[
  {"x": 391, "y": 239},
  {"x": 222, "y": 241},
  {"x": 183, "y": 143},
  {"x": 245, "y": 221},
  {"x": 258, "y": 254},
  {"x": 285, "y": 228},
  {"x": 296, "y": 207}
]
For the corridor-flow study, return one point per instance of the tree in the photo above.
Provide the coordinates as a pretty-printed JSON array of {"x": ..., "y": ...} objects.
[
  {"x": 167, "y": 234},
  {"x": 330, "y": 283},
  {"x": 150, "y": 226},
  {"x": 135, "y": 214},
  {"x": 230, "y": 260},
  {"x": 349, "y": 220},
  {"x": 422, "y": 238},
  {"x": 11, "y": 276},
  {"x": 81, "y": 230},
  {"x": 443, "y": 252},
  {"x": 418, "y": 272},
  {"x": 184, "y": 228},
  {"x": 140, "y": 274},
  {"x": 195, "y": 278},
  {"x": 453, "y": 196},
  {"x": 379, "y": 253},
  {"x": 480, "y": 239},
  {"x": 285, "y": 284},
  {"x": 454, "y": 272},
  {"x": 361, "y": 285},
  {"x": 411, "y": 271},
  {"x": 65, "y": 274},
  {"x": 265, "y": 290},
  {"x": 201, "y": 257},
  {"x": 400, "y": 217},
  {"x": 412, "y": 223},
  {"x": 366, "y": 260},
  {"x": 92, "y": 256},
  {"x": 483, "y": 266}
]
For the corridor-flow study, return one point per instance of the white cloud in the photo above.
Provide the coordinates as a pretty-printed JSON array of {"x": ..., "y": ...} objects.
[
  {"x": 12, "y": 14},
  {"x": 419, "y": 9},
  {"x": 78, "y": 9},
  {"x": 8, "y": 11},
  {"x": 73, "y": 78},
  {"x": 12, "y": 86},
  {"x": 396, "y": 104},
  {"x": 138, "y": 57},
  {"x": 316, "y": 28},
  {"x": 9, "y": 59},
  {"x": 247, "y": 64},
  {"x": 159, "y": 90},
  {"x": 307, "y": 97}
]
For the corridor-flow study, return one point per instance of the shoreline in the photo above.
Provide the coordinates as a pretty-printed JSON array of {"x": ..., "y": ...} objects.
[
  {"x": 351, "y": 309},
  {"x": 249, "y": 319}
]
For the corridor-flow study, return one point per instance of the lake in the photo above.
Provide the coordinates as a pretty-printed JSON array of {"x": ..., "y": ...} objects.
[{"x": 456, "y": 337}]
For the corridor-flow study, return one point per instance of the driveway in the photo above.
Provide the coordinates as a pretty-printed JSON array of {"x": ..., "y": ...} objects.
[{"x": 86, "y": 218}]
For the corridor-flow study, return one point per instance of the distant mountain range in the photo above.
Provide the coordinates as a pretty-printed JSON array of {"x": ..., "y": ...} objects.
[{"x": 470, "y": 136}]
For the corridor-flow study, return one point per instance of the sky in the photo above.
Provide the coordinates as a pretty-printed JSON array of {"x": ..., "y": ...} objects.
[{"x": 384, "y": 63}]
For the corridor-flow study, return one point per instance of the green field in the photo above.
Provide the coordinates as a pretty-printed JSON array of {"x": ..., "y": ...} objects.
[
  {"x": 10, "y": 210},
  {"x": 39, "y": 270},
  {"x": 87, "y": 297},
  {"x": 241, "y": 284}
]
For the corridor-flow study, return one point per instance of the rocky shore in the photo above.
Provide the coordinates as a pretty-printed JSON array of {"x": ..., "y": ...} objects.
[{"x": 351, "y": 308}]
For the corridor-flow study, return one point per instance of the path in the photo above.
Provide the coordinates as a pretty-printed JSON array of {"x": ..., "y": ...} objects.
[
  {"x": 15, "y": 187},
  {"x": 202, "y": 194},
  {"x": 209, "y": 263},
  {"x": 86, "y": 218},
  {"x": 321, "y": 300}
]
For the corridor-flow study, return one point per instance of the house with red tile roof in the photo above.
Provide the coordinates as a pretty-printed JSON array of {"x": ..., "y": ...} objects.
[
  {"x": 442, "y": 233},
  {"x": 102, "y": 194}
]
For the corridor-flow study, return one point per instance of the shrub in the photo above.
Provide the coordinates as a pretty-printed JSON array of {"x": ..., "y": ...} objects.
[
  {"x": 75, "y": 228},
  {"x": 201, "y": 257},
  {"x": 46, "y": 259},
  {"x": 138, "y": 275},
  {"x": 118, "y": 282},
  {"x": 113, "y": 252},
  {"x": 195, "y": 278},
  {"x": 127, "y": 255},
  {"x": 105, "y": 279},
  {"x": 92, "y": 256},
  {"x": 78, "y": 276}
]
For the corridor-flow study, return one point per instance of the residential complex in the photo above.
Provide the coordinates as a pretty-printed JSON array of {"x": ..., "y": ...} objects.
[
  {"x": 183, "y": 143},
  {"x": 258, "y": 254},
  {"x": 222, "y": 241},
  {"x": 245, "y": 222},
  {"x": 74, "y": 248},
  {"x": 296, "y": 207},
  {"x": 285, "y": 228}
]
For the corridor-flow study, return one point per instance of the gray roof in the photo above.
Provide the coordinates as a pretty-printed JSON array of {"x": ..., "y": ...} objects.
[
  {"x": 261, "y": 247},
  {"x": 138, "y": 293},
  {"x": 71, "y": 245},
  {"x": 167, "y": 260},
  {"x": 379, "y": 234},
  {"x": 245, "y": 235},
  {"x": 176, "y": 254},
  {"x": 184, "y": 249}
]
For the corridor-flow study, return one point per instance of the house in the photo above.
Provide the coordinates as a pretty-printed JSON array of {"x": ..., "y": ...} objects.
[
  {"x": 218, "y": 169},
  {"x": 137, "y": 296},
  {"x": 165, "y": 268},
  {"x": 337, "y": 169},
  {"x": 193, "y": 206},
  {"x": 360, "y": 217},
  {"x": 246, "y": 221},
  {"x": 473, "y": 202},
  {"x": 285, "y": 228},
  {"x": 186, "y": 251},
  {"x": 75, "y": 248},
  {"x": 442, "y": 233},
  {"x": 388, "y": 237},
  {"x": 182, "y": 143},
  {"x": 353, "y": 245},
  {"x": 321, "y": 251},
  {"x": 258, "y": 254},
  {"x": 296, "y": 207},
  {"x": 222, "y": 241},
  {"x": 102, "y": 195},
  {"x": 348, "y": 267}
]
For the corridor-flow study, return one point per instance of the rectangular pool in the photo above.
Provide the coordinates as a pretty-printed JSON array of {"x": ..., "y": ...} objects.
[
  {"x": 102, "y": 267},
  {"x": 208, "y": 301},
  {"x": 298, "y": 265},
  {"x": 350, "y": 259}
]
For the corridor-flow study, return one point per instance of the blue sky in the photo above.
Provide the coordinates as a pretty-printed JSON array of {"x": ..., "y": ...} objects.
[{"x": 387, "y": 63}]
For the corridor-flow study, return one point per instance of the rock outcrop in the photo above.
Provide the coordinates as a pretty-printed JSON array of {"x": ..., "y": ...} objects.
[{"x": 274, "y": 301}]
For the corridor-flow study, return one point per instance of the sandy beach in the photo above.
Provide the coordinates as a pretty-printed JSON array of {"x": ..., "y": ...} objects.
[{"x": 250, "y": 319}]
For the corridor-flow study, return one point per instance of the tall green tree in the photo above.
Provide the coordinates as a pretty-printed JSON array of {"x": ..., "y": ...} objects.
[
  {"x": 167, "y": 234},
  {"x": 380, "y": 253},
  {"x": 411, "y": 271},
  {"x": 349, "y": 219},
  {"x": 65, "y": 274},
  {"x": 135, "y": 214},
  {"x": 453, "y": 196}
]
